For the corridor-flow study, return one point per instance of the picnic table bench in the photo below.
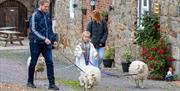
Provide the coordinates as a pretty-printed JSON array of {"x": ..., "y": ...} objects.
[{"x": 10, "y": 36}]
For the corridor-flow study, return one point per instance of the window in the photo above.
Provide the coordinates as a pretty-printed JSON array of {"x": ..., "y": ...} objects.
[
  {"x": 71, "y": 8},
  {"x": 143, "y": 6},
  {"x": 145, "y": 2}
]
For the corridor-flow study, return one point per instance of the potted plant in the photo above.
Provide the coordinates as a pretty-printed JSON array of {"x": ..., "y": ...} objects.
[
  {"x": 109, "y": 57},
  {"x": 127, "y": 56},
  {"x": 83, "y": 9},
  {"x": 104, "y": 15}
]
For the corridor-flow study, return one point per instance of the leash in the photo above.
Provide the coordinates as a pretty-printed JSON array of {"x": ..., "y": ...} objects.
[
  {"x": 111, "y": 74},
  {"x": 73, "y": 63},
  {"x": 104, "y": 72},
  {"x": 67, "y": 67}
]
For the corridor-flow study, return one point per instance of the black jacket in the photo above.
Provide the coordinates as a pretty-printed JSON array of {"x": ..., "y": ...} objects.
[
  {"x": 41, "y": 28},
  {"x": 99, "y": 33}
]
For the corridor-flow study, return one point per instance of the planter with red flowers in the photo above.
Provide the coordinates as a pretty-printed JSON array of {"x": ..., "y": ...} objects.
[
  {"x": 158, "y": 60},
  {"x": 156, "y": 50}
]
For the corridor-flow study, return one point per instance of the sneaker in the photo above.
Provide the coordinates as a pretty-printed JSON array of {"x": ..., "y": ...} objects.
[
  {"x": 53, "y": 87},
  {"x": 31, "y": 85}
]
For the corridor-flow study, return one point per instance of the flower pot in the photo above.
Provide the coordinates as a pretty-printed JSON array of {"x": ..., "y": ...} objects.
[
  {"x": 108, "y": 62},
  {"x": 125, "y": 66}
]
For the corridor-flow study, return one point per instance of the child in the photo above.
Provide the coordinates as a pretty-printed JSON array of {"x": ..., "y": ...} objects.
[
  {"x": 85, "y": 52},
  {"x": 169, "y": 76}
]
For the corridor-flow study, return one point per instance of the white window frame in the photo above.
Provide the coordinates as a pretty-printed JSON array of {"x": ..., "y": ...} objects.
[
  {"x": 142, "y": 9},
  {"x": 71, "y": 9}
]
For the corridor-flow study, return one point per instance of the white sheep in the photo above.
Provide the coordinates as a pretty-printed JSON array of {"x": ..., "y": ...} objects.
[
  {"x": 141, "y": 70},
  {"x": 91, "y": 77},
  {"x": 40, "y": 66}
]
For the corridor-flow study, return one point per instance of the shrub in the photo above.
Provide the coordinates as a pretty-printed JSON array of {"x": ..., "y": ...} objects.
[
  {"x": 110, "y": 52},
  {"x": 155, "y": 52}
]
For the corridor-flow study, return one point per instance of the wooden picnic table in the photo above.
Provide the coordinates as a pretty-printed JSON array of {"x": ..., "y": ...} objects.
[
  {"x": 7, "y": 28},
  {"x": 10, "y": 36}
]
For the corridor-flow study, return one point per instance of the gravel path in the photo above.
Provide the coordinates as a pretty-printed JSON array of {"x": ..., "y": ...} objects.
[{"x": 13, "y": 74}]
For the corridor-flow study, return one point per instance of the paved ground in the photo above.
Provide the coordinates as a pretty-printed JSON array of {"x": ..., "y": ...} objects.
[{"x": 13, "y": 75}]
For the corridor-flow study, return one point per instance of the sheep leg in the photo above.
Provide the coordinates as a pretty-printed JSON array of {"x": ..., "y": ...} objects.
[
  {"x": 142, "y": 84},
  {"x": 86, "y": 87},
  {"x": 41, "y": 76},
  {"x": 81, "y": 81},
  {"x": 137, "y": 83},
  {"x": 35, "y": 74}
]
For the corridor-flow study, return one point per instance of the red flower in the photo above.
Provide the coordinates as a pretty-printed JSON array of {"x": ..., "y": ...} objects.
[
  {"x": 151, "y": 65},
  {"x": 170, "y": 59},
  {"x": 157, "y": 26},
  {"x": 155, "y": 49},
  {"x": 148, "y": 78},
  {"x": 156, "y": 78},
  {"x": 165, "y": 49},
  {"x": 151, "y": 48},
  {"x": 150, "y": 58},
  {"x": 144, "y": 60},
  {"x": 145, "y": 49},
  {"x": 161, "y": 51}
]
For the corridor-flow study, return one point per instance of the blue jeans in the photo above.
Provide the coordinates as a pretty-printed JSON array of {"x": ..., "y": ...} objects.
[
  {"x": 100, "y": 52},
  {"x": 36, "y": 50}
]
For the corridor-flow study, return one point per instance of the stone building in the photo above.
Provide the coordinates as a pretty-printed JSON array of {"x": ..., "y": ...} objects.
[
  {"x": 170, "y": 21},
  {"x": 123, "y": 19}
]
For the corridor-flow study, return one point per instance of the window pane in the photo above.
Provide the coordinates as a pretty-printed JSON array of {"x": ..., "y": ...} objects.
[{"x": 145, "y": 3}]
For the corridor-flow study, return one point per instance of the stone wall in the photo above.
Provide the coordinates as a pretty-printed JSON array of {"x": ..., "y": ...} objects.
[
  {"x": 122, "y": 24},
  {"x": 170, "y": 23},
  {"x": 68, "y": 29}
]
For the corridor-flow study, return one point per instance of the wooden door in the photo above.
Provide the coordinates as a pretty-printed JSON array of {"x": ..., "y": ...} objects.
[
  {"x": 11, "y": 14},
  {"x": 2, "y": 17}
]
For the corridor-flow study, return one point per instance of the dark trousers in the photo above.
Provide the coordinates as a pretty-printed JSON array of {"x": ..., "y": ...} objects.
[{"x": 36, "y": 50}]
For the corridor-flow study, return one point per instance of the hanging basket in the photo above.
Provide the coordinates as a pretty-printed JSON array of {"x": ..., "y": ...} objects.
[{"x": 84, "y": 11}]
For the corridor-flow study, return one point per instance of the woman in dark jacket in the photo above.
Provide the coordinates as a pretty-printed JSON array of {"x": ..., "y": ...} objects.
[{"x": 99, "y": 33}]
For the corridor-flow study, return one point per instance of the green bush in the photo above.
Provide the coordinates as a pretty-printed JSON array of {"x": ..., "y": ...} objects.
[
  {"x": 177, "y": 77},
  {"x": 148, "y": 29},
  {"x": 127, "y": 54},
  {"x": 155, "y": 52},
  {"x": 109, "y": 53},
  {"x": 104, "y": 13}
]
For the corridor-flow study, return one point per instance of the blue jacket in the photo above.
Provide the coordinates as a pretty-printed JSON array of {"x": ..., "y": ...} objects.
[{"x": 40, "y": 28}]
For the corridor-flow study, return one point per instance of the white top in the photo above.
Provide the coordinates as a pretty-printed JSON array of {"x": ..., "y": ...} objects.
[{"x": 80, "y": 60}]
